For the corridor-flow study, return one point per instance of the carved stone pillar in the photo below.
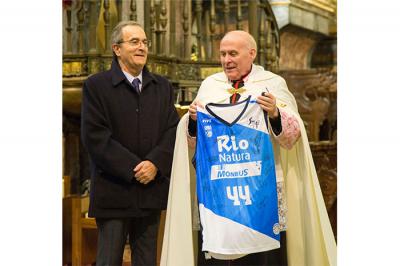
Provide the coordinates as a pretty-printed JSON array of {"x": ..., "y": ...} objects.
[
  {"x": 153, "y": 26},
  {"x": 81, "y": 21},
  {"x": 187, "y": 10},
  {"x": 226, "y": 15},
  {"x": 172, "y": 29},
  {"x": 212, "y": 28},
  {"x": 239, "y": 17},
  {"x": 132, "y": 7},
  {"x": 199, "y": 24},
  {"x": 162, "y": 26},
  {"x": 92, "y": 18},
  {"x": 107, "y": 26},
  {"x": 261, "y": 41},
  {"x": 269, "y": 44},
  {"x": 253, "y": 18},
  {"x": 274, "y": 55},
  {"x": 68, "y": 29}
]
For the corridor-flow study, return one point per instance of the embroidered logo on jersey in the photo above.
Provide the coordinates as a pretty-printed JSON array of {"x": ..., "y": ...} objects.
[{"x": 208, "y": 130}]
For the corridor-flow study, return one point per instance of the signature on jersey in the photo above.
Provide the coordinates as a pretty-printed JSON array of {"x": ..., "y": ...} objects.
[{"x": 253, "y": 122}]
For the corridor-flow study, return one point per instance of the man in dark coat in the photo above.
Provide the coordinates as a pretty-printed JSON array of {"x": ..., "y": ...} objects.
[{"x": 128, "y": 128}]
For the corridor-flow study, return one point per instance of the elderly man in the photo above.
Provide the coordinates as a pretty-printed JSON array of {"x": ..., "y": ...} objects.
[
  {"x": 309, "y": 238},
  {"x": 128, "y": 128}
]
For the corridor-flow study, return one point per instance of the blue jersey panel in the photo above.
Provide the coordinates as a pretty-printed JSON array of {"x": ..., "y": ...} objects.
[{"x": 236, "y": 173}]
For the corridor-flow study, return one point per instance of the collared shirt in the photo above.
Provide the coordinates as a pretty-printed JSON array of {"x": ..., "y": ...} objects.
[{"x": 130, "y": 78}]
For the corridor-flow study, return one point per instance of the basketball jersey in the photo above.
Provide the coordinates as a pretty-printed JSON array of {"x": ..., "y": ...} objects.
[{"x": 236, "y": 181}]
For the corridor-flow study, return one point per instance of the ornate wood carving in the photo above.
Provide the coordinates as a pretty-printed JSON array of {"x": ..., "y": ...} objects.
[
  {"x": 269, "y": 44},
  {"x": 207, "y": 71},
  {"x": 253, "y": 18},
  {"x": 239, "y": 17},
  {"x": 172, "y": 30},
  {"x": 312, "y": 90},
  {"x": 274, "y": 56},
  {"x": 153, "y": 27},
  {"x": 263, "y": 46},
  {"x": 226, "y": 15},
  {"x": 212, "y": 28},
  {"x": 159, "y": 68},
  {"x": 94, "y": 65},
  {"x": 92, "y": 18},
  {"x": 185, "y": 25},
  {"x": 107, "y": 30},
  {"x": 273, "y": 39},
  {"x": 132, "y": 7},
  {"x": 163, "y": 25},
  {"x": 68, "y": 29},
  {"x": 81, "y": 16},
  {"x": 199, "y": 24},
  {"x": 187, "y": 72},
  {"x": 325, "y": 160}
]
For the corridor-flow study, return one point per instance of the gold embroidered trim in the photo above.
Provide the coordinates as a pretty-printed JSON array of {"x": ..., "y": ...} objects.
[{"x": 238, "y": 90}]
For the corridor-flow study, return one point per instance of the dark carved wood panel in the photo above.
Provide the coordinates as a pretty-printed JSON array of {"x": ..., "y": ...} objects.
[{"x": 325, "y": 160}]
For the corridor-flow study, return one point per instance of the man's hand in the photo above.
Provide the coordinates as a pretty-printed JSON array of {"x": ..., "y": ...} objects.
[
  {"x": 268, "y": 103},
  {"x": 145, "y": 172},
  {"x": 193, "y": 109}
]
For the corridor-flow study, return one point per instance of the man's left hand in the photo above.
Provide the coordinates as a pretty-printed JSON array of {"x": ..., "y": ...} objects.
[
  {"x": 268, "y": 103},
  {"x": 145, "y": 172}
]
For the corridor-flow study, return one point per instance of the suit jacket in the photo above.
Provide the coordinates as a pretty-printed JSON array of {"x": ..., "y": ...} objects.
[{"x": 121, "y": 128}]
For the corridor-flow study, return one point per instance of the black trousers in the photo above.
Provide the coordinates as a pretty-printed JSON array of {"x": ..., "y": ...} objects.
[
  {"x": 112, "y": 236},
  {"x": 276, "y": 257}
]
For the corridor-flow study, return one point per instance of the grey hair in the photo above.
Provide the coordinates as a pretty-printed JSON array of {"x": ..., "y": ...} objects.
[{"x": 116, "y": 34}]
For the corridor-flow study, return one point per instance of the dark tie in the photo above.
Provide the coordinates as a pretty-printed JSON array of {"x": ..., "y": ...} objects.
[
  {"x": 135, "y": 84},
  {"x": 236, "y": 84}
]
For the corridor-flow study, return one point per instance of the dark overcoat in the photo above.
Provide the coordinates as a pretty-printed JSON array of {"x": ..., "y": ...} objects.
[{"x": 120, "y": 128}]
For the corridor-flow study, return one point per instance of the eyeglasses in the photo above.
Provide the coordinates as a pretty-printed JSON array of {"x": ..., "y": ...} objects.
[{"x": 136, "y": 42}]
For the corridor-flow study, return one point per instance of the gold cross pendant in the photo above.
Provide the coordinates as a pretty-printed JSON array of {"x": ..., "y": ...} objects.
[{"x": 238, "y": 90}]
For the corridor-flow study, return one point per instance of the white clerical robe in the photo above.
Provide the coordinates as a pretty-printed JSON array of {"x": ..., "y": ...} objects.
[{"x": 310, "y": 239}]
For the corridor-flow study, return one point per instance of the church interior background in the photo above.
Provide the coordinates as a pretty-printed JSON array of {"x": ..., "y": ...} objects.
[{"x": 296, "y": 39}]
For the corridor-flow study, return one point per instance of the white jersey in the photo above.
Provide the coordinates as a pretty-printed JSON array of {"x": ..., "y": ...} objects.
[{"x": 236, "y": 181}]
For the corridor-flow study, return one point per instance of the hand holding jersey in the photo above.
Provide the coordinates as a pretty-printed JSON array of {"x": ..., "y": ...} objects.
[
  {"x": 193, "y": 109},
  {"x": 267, "y": 102}
]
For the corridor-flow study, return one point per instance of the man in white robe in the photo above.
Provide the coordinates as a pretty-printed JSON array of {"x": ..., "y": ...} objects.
[{"x": 310, "y": 240}]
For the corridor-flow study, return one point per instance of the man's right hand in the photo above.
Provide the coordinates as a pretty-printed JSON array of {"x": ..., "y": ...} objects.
[{"x": 193, "y": 109}]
